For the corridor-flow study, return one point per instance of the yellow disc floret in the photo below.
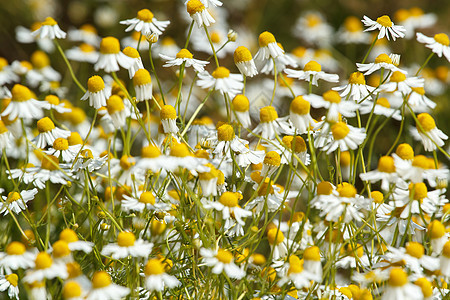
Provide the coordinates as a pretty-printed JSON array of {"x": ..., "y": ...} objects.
[
  {"x": 383, "y": 58},
  {"x": 442, "y": 39},
  {"x": 154, "y": 267},
  {"x": 126, "y": 239},
  {"x": 61, "y": 144},
  {"x": 168, "y": 113},
  {"x": 242, "y": 54},
  {"x": 265, "y": 39},
  {"x": 386, "y": 164},
  {"x": 398, "y": 277},
  {"x": 95, "y": 84},
  {"x": 295, "y": 265},
  {"x": 147, "y": 198},
  {"x": 312, "y": 66},
  {"x": 446, "y": 249},
  {"x": 100, "y": 279},
  {"x": 225, "y": 133},
  {"x": 150, "y": 151},
  {"x": 418, "y": 190},
  {"x": 221, "y": 72},
  {"x": 13, "y": 279},
  {"x": 131, "y": 52},
  {"x": 415, "y": 249},
  {"x": 109, "y": 45},
  {"x": 86, "y": 48},
  {"x": 184, "y": 53},
  {"x": 145, "y": 15},
  {"x": 229, "y": 199},
  {"x": 224, "y": 256},
  {"x": 71, "y": 290},
  {"x": 15, "y": 248},
  {"x": 194, "y": 6},
  {"x": 60, "y": 249},
  {"x": 179, "y": 150},
  {"x": 421, "y": 161},
  {"x": 436, "y": 229},
  {"x": 39, "y": 59},
  {"x": 312, "y": 253},
  {"x": 126, "y": 162},
  {"x": 332, "y": 96},
  {"x": 114, "y": 104},
  {"x": 240, "y": 103},
  {"x": 268, "y": 114},
  {"x": 353, "y": 24},
  {"x": 68, "y": 235},
  {"x": 397, "y": 76},
  {"x": 324, "y": 188},
  {"x": 405, "y": 151},
  {"x": 298, "y": 144},
  {"x": 426, "y": 121},
  {"x": 377, "y": 196},
  {"x": 339, "y": 130},
  {"x": 52, "y": 99},
  {"x": 49, "y": 21},
  {"x": 274, "y": 236},
  {"x": 12, "y": 197},
  {"x": 20, "y": 93},
  {"x": 345, "y": 158},
  {"x": 300, "y": 106},
  {"x": 346, "y": 190},
  {"x": 45, "y": 125},
  {"x": 425, "y": 285},
  {"x": 384, "y": 21},
  {"x": 43, "y": 261},
  {"x": 75, "y": 139},
  {"x": 383, "y": 102},
  {"x": 272, "y": 158},
  {"x": 141, "y": 77},
  {"x": 50, "y": 162},
  {"x": 357, "y": 78}
]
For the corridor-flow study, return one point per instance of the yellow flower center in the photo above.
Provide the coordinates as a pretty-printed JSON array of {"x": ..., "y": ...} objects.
[
  {"x": 100, "y": 280},
  {"x": 49, "y": 21},
  {"x": 295, "y": 265},
  {"x": 299, "y": 51},
  {"x": 131, "y": 52},
  {"x": 168, "y": 112},
  {"x": 398, "y": 277},
  {"x": 21, "y": 93},
  {"x": 45, "y": 125},
  {"x": 157, "y": 227},
  {"x": 442, "y": 38},
  {"x": 386, "y": 164},
  {"x": 71, "y": 290},
  {"x": 61, "y": 144},
  {"x": 86, "y": 48},
  {"x": 300, "y": 106},
  {"x": 52, "y": 99},
  {"x": 357, "y": 78},
  {"x": 298, "y": 144},
  {"x": 95, "y": 84},
  {"x": 50, "y": 162},
  {"x": 324, "y": 188},
  {"x": 225, "y": 133},
  {"x": 258, "y": 259},
  {"x": 446, "y": 249},
  {"x": 77, "y": 116},
  {"x": 221, "y": 72},
  {"x": 383, "y": 102},
  {"x": 266, "y": 188},
  {"x": 3, "y": 63},
  {"x": 242, "y": 54},
  {"x": 312, "y": 66},
  {"x": 184, "y": 53},
  {"x": 312, "y": 253},
  {"x": 383, "y": 58},
  {"x": 145, "y": 15},
  {"x": 377, "y": 196},
  {"x": 224, "y": 256},
  {"x": 68, "y": 235},
  {"x": 114, "y": 104},
  {"x": 75, "y": 139},
  {"x": 126, "y": 239},
  {"x": 298, "y": 217},
  {"x": 339, "y": 130},
  {"x": 415, "y": 249},
  {"x": 405, "y": 151},
  {"x": 154, "y": 267},
  {"x": 353, "y": 24},
  {"x": 150, "y": 151},
  {"x": 384, "y": 21},
  {"x": 147, "y": 198},
  {"x": 141, "y": 77},
  {"x": 229, "y": 199},
  {"x": 346, "y": 190},
  {"x": 13, "y": 279},
  {"x": 426, "y": 121},
  {"x": 345, "y": 158},
  {"x": 13, "y": 196},
  {"x": 418, "y": 190},
  {"x": 436, "y": 229},
  {"x": 194, "y": 6},
  {"x": 358, "y": 252},
  {"x": 275, "y": 237},
  {"x": 43, "y": 261},
  {"x": 268, "y": 114},
  {"x": 332, "y": 96},
  {"x": 215, "y": 37},
  {"x": 40, "y": 60},
  {"x": 397, "y": 76},
  {"x": 109, "y": 45},
  {"x": 126, "y": 162},
  {"x": 241, "y": 103},
  {"x": 60, "y": 249},
  {"x": 179, "y": 150},
  {"x": 421, "y": 161},
  {"x": 419, "y": 90},
  {"x": 425, "y": 285},
  {"x": 272, "y": 158},
  {"x": 265, "y": 39},
  {"x": 3, "y": 128},
  {"x": 15, "y": 248}
]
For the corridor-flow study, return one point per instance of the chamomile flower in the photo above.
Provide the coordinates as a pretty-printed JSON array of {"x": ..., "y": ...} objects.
[
  {"x": 156, "y": 278},
  {"x": 297, "y": 274},
  {"x": 268, "y": 193},
  {"x": 199, "y": 13},
  {"x": 430, "y": 135},
  {"x": 5, "y": 136},
  {"x": 25, "y": 36},
  {"x": 353, "y": 256},
  {"x": 419, "y": 102},
  {"x": 180, "y": 156},
  {"x": 143, "y": 85},
  {"x": 45, "y": 268},
  {"x": 279, "y": 63},
  {"x": 168, "y": 117},
  {"x": 144, "y": 200},
  {"x": 103, "y": 288},
  {"x": 16, "y": 257},
  {"x": 49, "y": 29},
  {"x": 387, "y": 28},
  {"x": 23, "y": 104},
  {"x": 186, "y": 57},
  {"x": 279, "y": 244},
  {"x": 222, "y": 80},
  {"x": 439, "y": 44},
  {"x": 146, "y": 23},
  {"x": 270, "y": 125},
  {"x": 55, "y": 104},
  {"x": 41, "y": 64},
  {"x": 244, "y": 61},
  {"x": 381, "y": 61},
  {"x": 16, "y": 202},
  {"x": 71, "y": 238},
  {"x": 382, "y": 107},
  {"x": 271, "y": 162},
  {"x": 48, "y": 133},
  {"x": 312, "y": 71},
  {"x": 356, "y": 89},
  {"x": 127, "y": 245},
  {"x": 352, "y": 32},
  {"x": 268, "y": 47},
  {"x": 222, "y": 261},
  {"x": 111, "y": 57},
  {"x": 227, "y": 141},
  {"x": 72, "y": 290},
  {"x": 7, "y": 74},
  {"x": 399, "y": 82},
  {"x": 312, "y": 27},
  {"x": 386, "y": 172},
  {"x": 332, "y": 101},
  {"x": 399, "y": 288},
  {"x": 137, "y": 61},
  {"x": 249, "y": 156},
  {"x": 9, "y": 282},
  {"x": 83, "y": 53},
  {"x": 96, "y": 93},
  {"x": 241, "y": 107},
  {"x": 117, "y": 111},
  {"x": 312, "y": 264},
  {"x": 86, "y": 34},
  {"x": 413, "y": 257},
  {"x": 293, "y": 145}
]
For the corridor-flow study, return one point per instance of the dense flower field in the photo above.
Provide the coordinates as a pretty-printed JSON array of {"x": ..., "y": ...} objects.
[{"x": 146, "y": 168}]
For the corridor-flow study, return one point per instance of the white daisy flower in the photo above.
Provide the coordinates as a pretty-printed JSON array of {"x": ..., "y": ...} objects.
[
  {"x": 268, "y": 194},
  {"x": 222, "y": 261},
  {"x": 49, "y": 28},
  {"x": 281, "y": 62},
  {"x": 5, "y": 135},
  {"x": 186, "y": 57},
  {"x": 62, "y": 149},
  {"x": 292, "y": 145},
  {"x": 230, "y": 209},
  {"x": 143, "y": 85},
  {"x": 312, "y": 71},
  {"x": 45, "y": 268},
  {"x": 439, "y": 44},
  {"x": 96, "y": 93},
  {"x": 352, "y": 32},
  {"x": 146, "y": 23},
  {"x": 55, "y": 104},
  {"x": 381, "y": 61},
  {"x": 86, "y": 34},
  {"x": 111, "y": 57},
  {"x": 103, "y": 288},
  {"x": 7, "y": 74},
  {"x": 399, "y": 288},
  {"x": 248, "y": 156},
  {"x": 25, "y": 36},
  {"x": 356, "y": 89},
  {"x": 71, "y": 238},
  {"x": 268, "y": 47},
  {"x": 296, "y": 274},
  {"x": 279, "y": 244},
  {"x": 386, "y": 27},
  {"x": 9, "y": 282},
  {"x": 48, "y": 133},
  {"x": 143, "y": 200},
  {"x": 16, "y": 257},
  {"x": 137, "y": 61},
  {"x": 418, "y": 101},
  {"x": 270, "y": 125},
  {"x": 72, "y": 290},
  {"x": 199, "y": 13},
  {"x": 345, "y": 137},
  {"x": 117, "y": 111},
  {"x": 312, "y": 264},
  {"x": 312, "y": 27},
  {"x": 221, "y": 80},
  {"x": 332, "y": 101},
  {"x": 382, "y": 107},
  {"x": 244, "y": 61},
  {"x": 41, "y": 64},
  {"x": 399, "y": 82},
  {"x": 156, "y": 279},
  {"x": 299, "y": 113},
  {"x": 16, "y": 202},
  {"x": 413, "y": 257},
  {"x": 180, "y": 156},
  {"x": 429, "y": 133},
  {"x": 127, "y": 245},
  {"x": 226, "y": 141},
  {"x": 168, "y": 117},
  {"x": 241, "y": 110},
  {"x": 23, "y": 105}
]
